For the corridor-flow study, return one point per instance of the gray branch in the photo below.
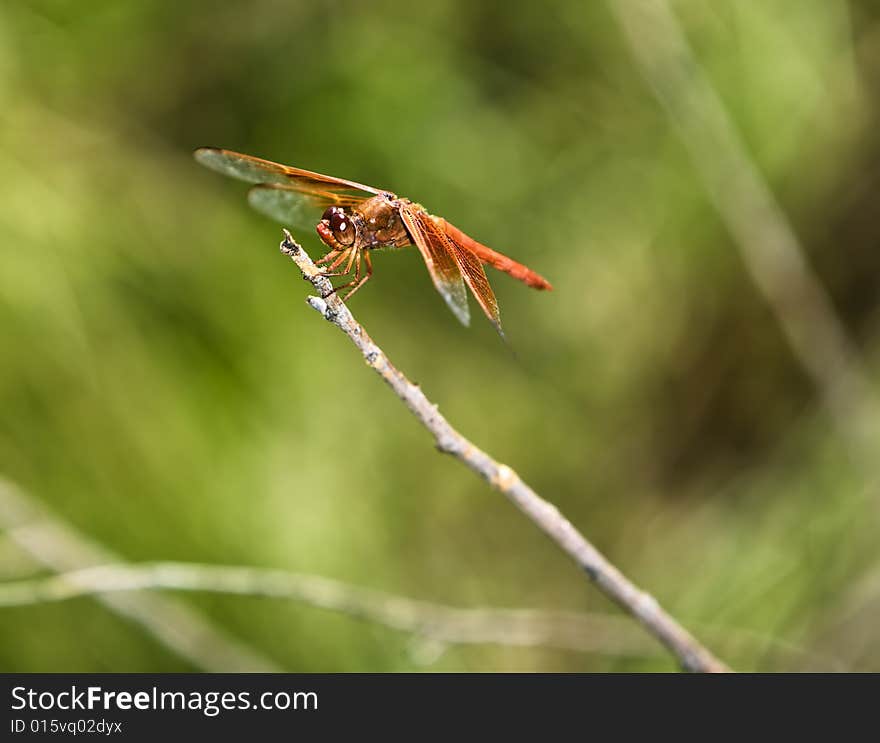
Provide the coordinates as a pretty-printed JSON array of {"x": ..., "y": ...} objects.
[
  {"x": 435, "y": 626},
  {"x": 439, "y": 624},
  {"x": 641, "y": 605}
]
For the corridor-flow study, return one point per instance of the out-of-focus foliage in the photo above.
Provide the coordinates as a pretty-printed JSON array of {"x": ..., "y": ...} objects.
[{"x": 164, "y": 388}]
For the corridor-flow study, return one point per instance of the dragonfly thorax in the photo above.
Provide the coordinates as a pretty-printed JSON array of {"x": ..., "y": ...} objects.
[{"x": 374, "y": 223}]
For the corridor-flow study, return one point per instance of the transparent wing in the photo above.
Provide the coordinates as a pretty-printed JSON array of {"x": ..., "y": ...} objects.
[
  {"x": 442, "y": 265},
  {"x": 291, "y": 195},
  {"x": 256, "y": 170},
  {"x": 472, "y": 270},
  {"x": 293, "y": 207}
]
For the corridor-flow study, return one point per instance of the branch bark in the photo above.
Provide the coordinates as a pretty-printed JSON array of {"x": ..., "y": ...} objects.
[{"x": 641, "y": 605}]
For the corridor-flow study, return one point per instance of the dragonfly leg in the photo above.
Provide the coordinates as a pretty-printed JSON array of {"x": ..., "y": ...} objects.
[
  {"x": 328, "y": 257},
  {"x": 365, "y": 279},
  {"x": 355, "y": 254},
  {"x": 329, "y": 271},
  {"x": 357, "y": 281}
]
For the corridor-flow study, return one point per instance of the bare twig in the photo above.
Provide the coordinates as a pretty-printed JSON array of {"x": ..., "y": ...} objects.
[
  {"x": 689, "y": 652},
  {"x": 768, "y": 245},
  {"x": 180, "y": 628},
  {"x": 444, "y": 625},
  {"x": 436, "y": 625}
]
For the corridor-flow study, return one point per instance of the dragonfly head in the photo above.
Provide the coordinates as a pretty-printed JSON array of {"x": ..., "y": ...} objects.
[{"x": 337, "y": 224}]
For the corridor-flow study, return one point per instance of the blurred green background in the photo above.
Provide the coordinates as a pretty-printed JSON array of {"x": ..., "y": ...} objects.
[{"x": 166, "y": 392}]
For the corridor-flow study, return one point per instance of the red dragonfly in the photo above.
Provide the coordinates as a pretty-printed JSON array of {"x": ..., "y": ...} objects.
[{"x": 357, "y": 219}]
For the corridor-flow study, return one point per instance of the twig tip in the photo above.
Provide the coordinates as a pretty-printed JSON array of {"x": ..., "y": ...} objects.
[{"x": 289, "y": 246}]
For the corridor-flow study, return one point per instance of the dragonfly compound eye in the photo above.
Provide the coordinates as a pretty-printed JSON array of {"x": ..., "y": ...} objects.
[
  {"x": 330, "y": 211},
  {"x": 339, "y": 223}
]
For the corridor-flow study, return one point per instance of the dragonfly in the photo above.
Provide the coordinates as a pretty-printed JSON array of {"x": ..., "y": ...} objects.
[{"x": 356, "y": 219}]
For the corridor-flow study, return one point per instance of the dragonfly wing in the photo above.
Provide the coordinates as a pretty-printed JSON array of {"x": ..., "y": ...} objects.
[
  {"x": 293, "y": 207},
  {"x": 243, "y": 167},
  {"x": 256, "y": 170},
  {"x": 290, "y": 195},
  {"x": 472, "y": 270},
  {"x": 442, "y": 265}
]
